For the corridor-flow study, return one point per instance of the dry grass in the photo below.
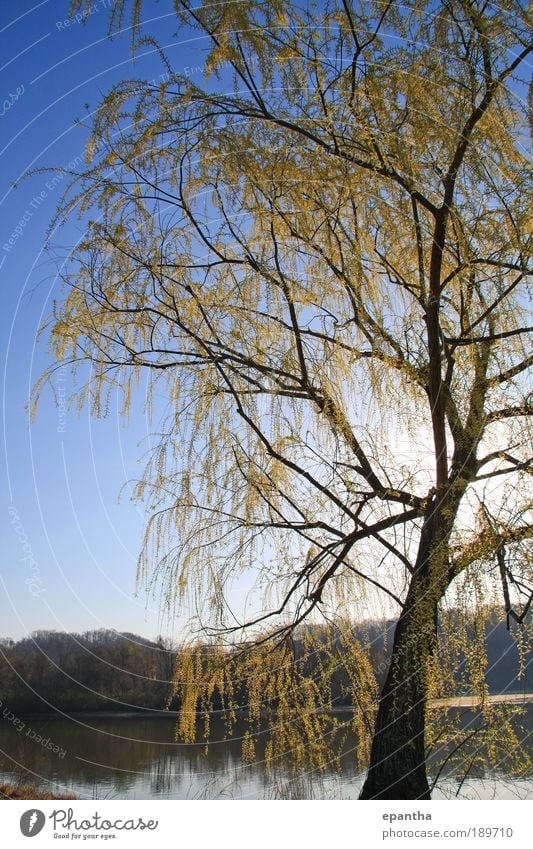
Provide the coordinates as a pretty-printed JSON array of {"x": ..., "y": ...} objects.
[{"x": 28, "y": 791}]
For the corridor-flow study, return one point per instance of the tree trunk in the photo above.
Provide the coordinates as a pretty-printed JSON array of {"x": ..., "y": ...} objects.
[{"x": 398, "y": 760}]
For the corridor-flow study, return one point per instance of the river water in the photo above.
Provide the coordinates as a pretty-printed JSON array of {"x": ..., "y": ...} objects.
[{"x": 134, "y": 757}]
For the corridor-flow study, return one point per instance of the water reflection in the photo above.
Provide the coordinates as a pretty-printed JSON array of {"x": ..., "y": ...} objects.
[{"x": 137, "y": 758}]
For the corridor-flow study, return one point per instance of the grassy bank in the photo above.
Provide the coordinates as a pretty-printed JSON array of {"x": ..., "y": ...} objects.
[{"x": 28, "y": 791}]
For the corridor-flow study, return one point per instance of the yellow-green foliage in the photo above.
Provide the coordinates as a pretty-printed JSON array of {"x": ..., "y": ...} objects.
[
  {"x": 279, "y": 697},
  {"x": 282, "y": 694},
  {"x": 492, "y": 735},
  {"x": 317, "y": 254}
]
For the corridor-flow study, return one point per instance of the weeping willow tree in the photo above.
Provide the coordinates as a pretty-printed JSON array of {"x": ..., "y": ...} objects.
[{"x": 318, "y": 250}]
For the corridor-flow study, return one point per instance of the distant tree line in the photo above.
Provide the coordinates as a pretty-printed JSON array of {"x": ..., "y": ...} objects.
[
  {"x": 95, "y": 670},
  {"x": 109, "y": 671}
]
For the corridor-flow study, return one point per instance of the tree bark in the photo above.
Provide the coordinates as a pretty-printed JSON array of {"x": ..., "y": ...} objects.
[{"x": 398, "y": 759}]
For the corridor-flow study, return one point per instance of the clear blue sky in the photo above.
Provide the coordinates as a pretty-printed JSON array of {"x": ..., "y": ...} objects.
[{"x": 69, "y": 547}]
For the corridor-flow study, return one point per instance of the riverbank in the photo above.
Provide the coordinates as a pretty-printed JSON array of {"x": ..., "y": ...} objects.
[
  {"x": 28, "y": 791},
  {"x": 475, "y": 701},
  {"x": 150, "y": 713},
  {"x": 466, "y": 702}
]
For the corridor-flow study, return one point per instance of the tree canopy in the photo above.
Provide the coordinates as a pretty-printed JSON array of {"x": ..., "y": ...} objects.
[{"x": 320, "y": 253}]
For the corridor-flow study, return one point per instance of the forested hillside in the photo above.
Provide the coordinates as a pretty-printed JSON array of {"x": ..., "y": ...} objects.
[{"x": 107, "y": 670}]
